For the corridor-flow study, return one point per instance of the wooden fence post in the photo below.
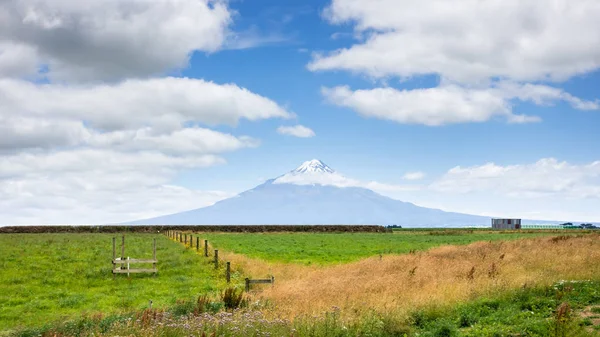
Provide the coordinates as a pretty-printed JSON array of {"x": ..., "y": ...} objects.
[
  {"x": 206, "y": 248},
  {"x": 185, "y": 240},
  {"x": 122, "y": 250},
  {"x": 247, "y": 284},
  {"x": 216, "y": 258},
  {"x": 114, "y": 255},
  {"x": 154, "y": 258},
  {"x": 228, "y": 272},
  {"x": 197, "y": 243}
]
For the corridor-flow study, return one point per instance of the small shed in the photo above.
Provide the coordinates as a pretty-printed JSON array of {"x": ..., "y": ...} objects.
[{"x": 506, "y": 223}]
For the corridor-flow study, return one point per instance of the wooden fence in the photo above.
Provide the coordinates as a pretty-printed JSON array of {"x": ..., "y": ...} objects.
[
  {"x": 188, "y": 241},
  {"x": 259, "y": 281},
  {"x": 126, "y": 262}
]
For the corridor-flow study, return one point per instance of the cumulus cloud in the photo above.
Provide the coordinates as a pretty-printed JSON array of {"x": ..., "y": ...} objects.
[
  {"x": 485, "y": 53},
  {"x": 451, "y": 103},
  {"x": 413, "y": 175},
  {"x": 106, "y": 153},
  {"x": 108, "y": 40},
  {"x": 135, "y": 110},
  {"x": 296, "y": 131},
  {"x": 89, "y": 131},
  {"x": 546, "y": 177},
  {"x": 467, "y": 41}
]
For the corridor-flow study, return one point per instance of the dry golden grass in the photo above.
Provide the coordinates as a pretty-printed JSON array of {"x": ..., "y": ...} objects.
[{"x": 439, "y": 277}]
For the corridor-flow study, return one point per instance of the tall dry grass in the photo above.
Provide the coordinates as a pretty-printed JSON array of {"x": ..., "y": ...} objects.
[{"x": 439, "y": 277}]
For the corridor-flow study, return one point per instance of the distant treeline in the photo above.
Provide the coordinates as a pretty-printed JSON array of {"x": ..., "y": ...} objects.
[{"x": 195, "y": 228}]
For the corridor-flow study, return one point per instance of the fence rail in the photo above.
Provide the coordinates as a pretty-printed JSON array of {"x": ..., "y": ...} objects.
[
  {"x": 259, "y": 281},
  {"x": 125, "y": 263}
]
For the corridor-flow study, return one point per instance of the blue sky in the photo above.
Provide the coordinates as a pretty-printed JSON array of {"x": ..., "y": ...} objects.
[{"x": 495, "y": 105}]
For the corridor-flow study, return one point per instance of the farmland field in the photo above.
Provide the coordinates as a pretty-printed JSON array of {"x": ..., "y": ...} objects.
[
  {"x": 326, "y": 284},
  {"x": 44, "y": 277},
  {"x": 331, "y": 248}
]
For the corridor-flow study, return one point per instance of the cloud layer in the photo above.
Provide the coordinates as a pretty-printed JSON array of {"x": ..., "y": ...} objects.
[
  {"x": 487, "y": 54},
  {"x": 86, "y": 126},
  {"x": 83, "y": 149},
  {"x": 135, "y": 114},
  {"x": 467, "y": 41},
  {"x": 108, "y": 40},
  {"x": 546, "y": 177},
  {"x": 91, "y": 186}
]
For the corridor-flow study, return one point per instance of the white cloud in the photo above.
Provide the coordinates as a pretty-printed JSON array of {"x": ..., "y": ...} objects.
[
  {"x": 17, "y": 60},
  {"x": 546, "y": 177},
  {"x": 109, "y": 40},
  {"x": 69, "y": 115},
  {"x": 435, "y": 106},
  {"x": 542, "y": 95},
  {"x": 467, "y": 41},
  {"x": 252, "y": 38},
  {"x": 102, "y": 139},
  {"x": 413, "y": 175},
  {"x": 450, "y": 103},
  {"x": 109, "y": 153},
  {"x": 97, "y": 186},
  {"x": 296, "y": 131}
]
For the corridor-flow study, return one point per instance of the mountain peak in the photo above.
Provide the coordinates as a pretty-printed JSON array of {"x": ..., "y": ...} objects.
[{"x": 314, "y": 165}]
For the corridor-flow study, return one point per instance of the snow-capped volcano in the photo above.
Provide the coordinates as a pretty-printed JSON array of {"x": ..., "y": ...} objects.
[
  {"x": 313, "y": 166},
  {"x": 314, "y": 193},
  {"x": 314, "y": 172}
]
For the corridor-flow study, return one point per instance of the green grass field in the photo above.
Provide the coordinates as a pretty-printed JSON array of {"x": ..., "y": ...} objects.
[
  {"x": 560, "y": 310},
  {"x": 321, "y": 248},
  {"x": 47, "y": 277}
]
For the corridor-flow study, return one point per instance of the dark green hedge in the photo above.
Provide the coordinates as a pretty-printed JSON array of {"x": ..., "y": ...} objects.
[{"x": 195, "y": 228}]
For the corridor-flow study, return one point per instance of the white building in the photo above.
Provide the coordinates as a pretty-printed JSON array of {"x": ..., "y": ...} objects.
[{"x": 506, "y": 223}]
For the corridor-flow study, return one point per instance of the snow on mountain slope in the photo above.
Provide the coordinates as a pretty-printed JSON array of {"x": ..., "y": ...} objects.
[
  {"x": 313, "y": 166},
  {"x": 315, "y": 172},
  {"x": 316, "y": 194}
]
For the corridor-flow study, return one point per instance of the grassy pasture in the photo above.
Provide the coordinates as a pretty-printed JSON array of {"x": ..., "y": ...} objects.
[
  {"x": 496, "y": 288},
  {"x": 558, "y": 310},
  {"x": 332, "y": 248},
  {"x": 47, "y": 277}
]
